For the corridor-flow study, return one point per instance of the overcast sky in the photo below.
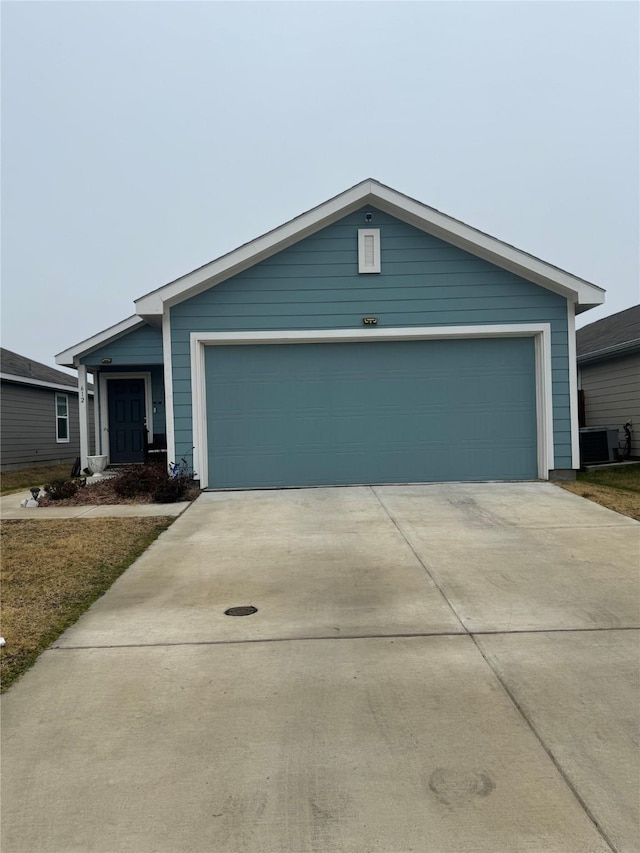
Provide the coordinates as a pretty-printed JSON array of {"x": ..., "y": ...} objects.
[{"x": 141, "y": 140}]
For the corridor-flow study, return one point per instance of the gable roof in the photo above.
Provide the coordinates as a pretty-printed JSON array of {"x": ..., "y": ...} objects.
[
  {"x": 370, "y": 192},
  {"x": 70, "y": 356},
  {"x": 18, "y": 368},
  {"x": 610, "y": 336}
]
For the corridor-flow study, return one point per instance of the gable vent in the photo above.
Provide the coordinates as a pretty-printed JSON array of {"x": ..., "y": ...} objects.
[{"x": 368, "y": 250}]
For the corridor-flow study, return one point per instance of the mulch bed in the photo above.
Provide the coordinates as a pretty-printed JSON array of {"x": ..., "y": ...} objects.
[{"x": 97, "y": 494}]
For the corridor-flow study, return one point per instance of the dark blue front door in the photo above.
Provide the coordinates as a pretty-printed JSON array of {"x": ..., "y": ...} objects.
[{"x": 126, "y": 420}]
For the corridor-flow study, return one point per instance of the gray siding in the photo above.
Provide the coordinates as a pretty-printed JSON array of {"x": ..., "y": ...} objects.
[
  {"x": 315, "y": 285},
  {"x": 28, "y": 426},
  {"x": 612, "y": 395}
]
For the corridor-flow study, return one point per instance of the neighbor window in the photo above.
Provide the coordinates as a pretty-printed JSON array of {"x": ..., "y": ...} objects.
[{"x": 62, "y": 417}]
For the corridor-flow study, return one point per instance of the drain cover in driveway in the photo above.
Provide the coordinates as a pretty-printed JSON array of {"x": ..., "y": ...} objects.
[{"x": 247, "y": 610}]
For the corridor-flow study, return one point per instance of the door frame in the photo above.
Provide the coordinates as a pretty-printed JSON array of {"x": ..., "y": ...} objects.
[
  {"x": 540, "y": 332},
  {"x": 105, "y": 377}
]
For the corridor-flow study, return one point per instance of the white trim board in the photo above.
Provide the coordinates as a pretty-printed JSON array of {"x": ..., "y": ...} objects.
[
  {"x": 83, "y": 415},
  {"x": 70, "y": 357},
  {"x": 67, "y": 416},
  {"x": 573, "y": 387},
  {"x": 104, "y": 377},
  {"x": 541, "y": 332},
  {"x": 428, "y": 219},
  {"x": 168, "y": 386}
]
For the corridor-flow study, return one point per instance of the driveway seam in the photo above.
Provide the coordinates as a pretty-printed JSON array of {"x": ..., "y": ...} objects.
[
  {"x": 507, "y": 691},
  {"x": 399, "y": 636},
  {"x": 544, "y": 746},
  {"x": 261, "y": 640},
  {"x": 419, "y": 559}
]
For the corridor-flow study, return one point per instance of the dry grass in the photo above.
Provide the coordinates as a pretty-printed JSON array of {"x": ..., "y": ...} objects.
[
  {"x": 626, "y": 477},
  {"x": 616, "y": 488},
  {"x": 38, "y": 475},
  {"x": 53, "y": 570},
  {"x": 626, "y": 503}
]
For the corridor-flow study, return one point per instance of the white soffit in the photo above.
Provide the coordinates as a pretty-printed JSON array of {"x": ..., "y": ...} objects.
[{"x": 427, "y": 219}]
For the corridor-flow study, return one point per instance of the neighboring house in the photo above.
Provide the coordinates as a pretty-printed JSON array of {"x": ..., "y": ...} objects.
[
  {"x": 609, "y": 373},
  {"x": 39, "y": 421},
  {"x": 372, "y": 339}
]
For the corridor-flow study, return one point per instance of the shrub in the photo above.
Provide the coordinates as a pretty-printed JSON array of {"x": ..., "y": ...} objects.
[
  {"x": 171, "y": 491},
  {"x": 139, "y": 480},
  {"x": 58, "y": 490}
]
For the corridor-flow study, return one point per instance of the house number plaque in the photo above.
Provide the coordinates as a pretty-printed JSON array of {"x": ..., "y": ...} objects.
[{"x": 370, "y": 321}]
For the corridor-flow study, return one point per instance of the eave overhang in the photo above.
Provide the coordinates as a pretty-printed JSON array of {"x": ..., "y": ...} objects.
[
  {"x": 71, "y": 357},
  {"x": 582, "y": 293},
  {"x": 624, "y": 348}
]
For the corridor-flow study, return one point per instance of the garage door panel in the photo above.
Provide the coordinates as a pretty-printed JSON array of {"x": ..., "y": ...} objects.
[
  {"x": 343, "y": 396},
  {"x": 339, "y": 413},
  {"x": 353, "y": 430}
]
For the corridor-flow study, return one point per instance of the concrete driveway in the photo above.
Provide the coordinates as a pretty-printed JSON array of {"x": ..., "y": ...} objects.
[{"x": 431, "y": 669}]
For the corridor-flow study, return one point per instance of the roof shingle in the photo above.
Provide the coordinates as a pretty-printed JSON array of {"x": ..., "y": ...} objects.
[
  {"x": 18, "y": 365},
  {"x": 617, "y": 331}
]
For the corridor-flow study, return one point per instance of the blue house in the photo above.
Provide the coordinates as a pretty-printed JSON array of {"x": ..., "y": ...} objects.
[{"x": 372, "y": 339}]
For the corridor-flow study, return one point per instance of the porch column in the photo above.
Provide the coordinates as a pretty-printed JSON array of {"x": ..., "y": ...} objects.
[
  {"x": 97, "y": 404},
  {"x": 83, "y": 414}
]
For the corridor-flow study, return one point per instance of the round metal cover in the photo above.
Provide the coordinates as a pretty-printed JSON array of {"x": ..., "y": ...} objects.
[{"x": 246, "y": 610}]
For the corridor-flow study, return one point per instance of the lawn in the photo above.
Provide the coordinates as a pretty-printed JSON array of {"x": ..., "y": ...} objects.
[
  {"x": 24, "y": 478},
  {"x": 616, "y": 488},
  {"x": 53, "y": 570}
]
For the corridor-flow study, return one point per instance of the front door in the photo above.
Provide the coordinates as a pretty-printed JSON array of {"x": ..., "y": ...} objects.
[{"x": 126, "y": 420}]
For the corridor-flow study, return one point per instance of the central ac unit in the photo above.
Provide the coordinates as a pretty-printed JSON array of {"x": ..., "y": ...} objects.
[{"x": 598, "y": 444}]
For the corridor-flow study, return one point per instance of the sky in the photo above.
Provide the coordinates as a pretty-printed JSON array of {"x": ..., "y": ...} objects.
[{"x": 143, "y": 139}]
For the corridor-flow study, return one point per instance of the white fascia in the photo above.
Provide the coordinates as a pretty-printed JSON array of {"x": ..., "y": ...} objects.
[
  {"x": 427, "y": 219},
  {"x": 253, "y": 252},
  {"x": 38, "y": 383},
  {"x": 71, "y": 357},
  {"x": 489, "y": 248},
  {"x": 540, "y": 332}
]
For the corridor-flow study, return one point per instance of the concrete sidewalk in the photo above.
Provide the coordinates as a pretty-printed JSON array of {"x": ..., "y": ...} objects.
[
  {"x": 431, "y": 669},
  {"x": 10, "y": 509}
]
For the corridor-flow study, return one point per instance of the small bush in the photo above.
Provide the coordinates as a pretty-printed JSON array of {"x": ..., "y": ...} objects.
[
  {"x": 139, "y": 480},
  {"x": 171, "y": 491},
  {"x": 58, "y": 490}
]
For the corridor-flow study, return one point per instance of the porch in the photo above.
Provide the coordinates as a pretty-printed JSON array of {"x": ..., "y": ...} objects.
[
  {"x": 130, "y": 423},
  {"x": 127, "y": 366}
]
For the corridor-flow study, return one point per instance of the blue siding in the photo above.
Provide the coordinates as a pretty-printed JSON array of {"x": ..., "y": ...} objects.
[
  {"x": 140, "y": 347},
  {"x": 315, "y": 285}
]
